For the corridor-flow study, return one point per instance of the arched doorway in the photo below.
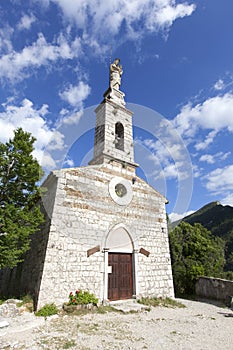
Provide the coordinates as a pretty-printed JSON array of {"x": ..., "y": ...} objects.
[{"x": 120, "y": 264}]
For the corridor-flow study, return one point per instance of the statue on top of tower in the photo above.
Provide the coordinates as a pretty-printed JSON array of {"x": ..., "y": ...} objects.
[{"x": 115, "y": 74}]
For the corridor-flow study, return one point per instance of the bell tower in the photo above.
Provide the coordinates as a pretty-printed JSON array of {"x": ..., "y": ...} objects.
[{"x": 114, "y": 131}]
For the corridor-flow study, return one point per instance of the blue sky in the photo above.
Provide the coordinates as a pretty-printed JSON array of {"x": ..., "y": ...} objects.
[{"x": 177, "y": 58}]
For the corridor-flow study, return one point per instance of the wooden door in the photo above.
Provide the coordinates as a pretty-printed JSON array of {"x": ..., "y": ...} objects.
[{"x": 120, "y": 281}]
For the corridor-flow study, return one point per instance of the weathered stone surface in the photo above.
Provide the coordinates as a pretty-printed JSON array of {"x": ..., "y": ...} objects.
[
  {"x": 92, "y": 215},
  {"x": 82, "y": 211},
  {"x": 4, "y": 324},
  {"x": 13, "y": 301},
  {"x": 214, "y": 288},
  {"x": 82, "y": 220},
  {"x": 8, "y": 310},
  {"x": 72, "y": 308}
]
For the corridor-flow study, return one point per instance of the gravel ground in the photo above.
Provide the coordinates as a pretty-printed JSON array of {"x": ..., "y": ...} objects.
[{"x": 199, "y": 326}]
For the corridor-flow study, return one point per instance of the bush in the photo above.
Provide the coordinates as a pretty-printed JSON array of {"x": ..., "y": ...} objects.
[
  {"x": 226, "y": 275},
  {"x": 47, "y": 310},
  {"x": 82, "y": 298}
]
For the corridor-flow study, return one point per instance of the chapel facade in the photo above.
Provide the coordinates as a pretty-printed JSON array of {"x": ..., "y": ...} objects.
[{"x": 106, "y": 228}]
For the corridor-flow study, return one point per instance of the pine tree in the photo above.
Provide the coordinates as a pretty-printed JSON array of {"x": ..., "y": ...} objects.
[{"x": 20, "y": 214}]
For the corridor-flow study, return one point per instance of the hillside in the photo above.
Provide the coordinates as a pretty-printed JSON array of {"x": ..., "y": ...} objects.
[
  {"x": 219, "y": 220},
  {"x": 215, "y": 217}
]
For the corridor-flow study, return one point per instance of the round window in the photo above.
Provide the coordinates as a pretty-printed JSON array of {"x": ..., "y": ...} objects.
[{"x": 120, "y": 190}]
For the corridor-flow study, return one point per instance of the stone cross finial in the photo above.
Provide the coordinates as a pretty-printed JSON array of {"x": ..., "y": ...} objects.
[{"x": 115, "y": 74}]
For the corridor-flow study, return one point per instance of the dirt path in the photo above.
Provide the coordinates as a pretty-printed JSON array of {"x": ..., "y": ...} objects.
[{"x": 199, "y": 326}]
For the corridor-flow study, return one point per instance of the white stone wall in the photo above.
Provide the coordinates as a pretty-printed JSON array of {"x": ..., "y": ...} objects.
[
  {"x": 83, "y": 215},
  {"x": 107, "y": 115},
  {"x": 82, "y": 209}
]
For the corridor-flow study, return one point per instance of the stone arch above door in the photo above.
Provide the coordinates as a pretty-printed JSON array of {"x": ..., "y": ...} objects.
[{"x": 119, "y": 240}]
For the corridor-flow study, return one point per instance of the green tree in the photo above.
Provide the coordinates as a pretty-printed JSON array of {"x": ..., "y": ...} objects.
[
  {"x": 194, "y": 253},
  {"x": 229, "y": 252},
  {"x": 20, "y": 214}
]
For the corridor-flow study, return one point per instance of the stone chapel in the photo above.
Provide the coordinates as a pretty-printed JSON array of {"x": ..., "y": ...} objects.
[{"x": 106, "y": 229}]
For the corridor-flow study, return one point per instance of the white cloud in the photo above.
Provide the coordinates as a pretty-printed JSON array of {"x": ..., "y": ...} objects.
[
  {"x": 99, "y": 19},
  {"x": 69, "y": 162},
  {"x": 212, "y": 158},
  {"x": 170, "y": 171},
  {"x": 169, "y": 12},
  {"x": 56, "y": 142},
  {"x": 224, "y": 156},
  {"x": 219, "y": 85},
  {"x": 164, "y": 165},
  {"x": 17, "y": 65},
  {"x": 197, "y": 170},
  {"x": 208, "y": 141},
  {"x": 72, "y": 117},
  {"x": 75, "y": 95},
  {"x": 170, "y": 152},
  {"x": 5, "y": 39},
  {"x": 213, "y": 114},
  {"x": 31, "y": 120},
  {"x": 45, "y": 159},
  {"x": 26, "y": 21},
  {"x": 175, "y": 216},
  {"x": 208, "y": 158},
  {"x": 220, "y": 180},
  {"x": 227, "y": 200}
]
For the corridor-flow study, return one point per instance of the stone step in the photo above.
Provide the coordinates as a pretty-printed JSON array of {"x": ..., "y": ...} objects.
[{"x": 129, "y": 305}]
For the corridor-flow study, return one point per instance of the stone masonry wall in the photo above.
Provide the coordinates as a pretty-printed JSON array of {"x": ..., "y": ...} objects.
[
  {"x": 214, "y": 288},
  {"x": 107, "y": 115},
  {"x": 83, "y": 215}
]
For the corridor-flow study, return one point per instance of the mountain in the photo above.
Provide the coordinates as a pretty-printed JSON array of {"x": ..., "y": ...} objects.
[
  {"x": 215, "y": 217},
  {"x": 219, "y": 220}
]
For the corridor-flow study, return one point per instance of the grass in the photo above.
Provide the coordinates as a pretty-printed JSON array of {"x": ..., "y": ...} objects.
[
  {"x": 88, "y": 328},
  {"x": 59, "y": 343},
  {"x": 98, "y": 310},
  {"x": 105, "y": 309},
  {"x": 167, "y": 302},
  {"x": 47, "y": 310},
  {"x": 69, "y": 344}
]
